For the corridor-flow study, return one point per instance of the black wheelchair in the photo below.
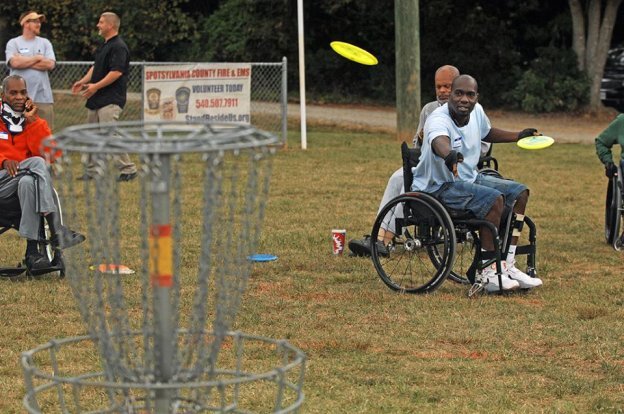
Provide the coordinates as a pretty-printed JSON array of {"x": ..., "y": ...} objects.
[
  {"x": 614, "y": 211},
  {"x": 10, "y": 219},
  {"x": 433, "y": 242}
]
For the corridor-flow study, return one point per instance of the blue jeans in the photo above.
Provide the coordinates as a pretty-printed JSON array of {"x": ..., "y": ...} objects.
[{"x": 479, "y": 197}]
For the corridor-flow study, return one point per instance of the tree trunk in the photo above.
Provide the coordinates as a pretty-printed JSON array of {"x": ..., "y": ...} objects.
[
  {"x": 578, "y": 32},
  {"x": 407, "y": 52},
  {"x": 592, "y": 45}
]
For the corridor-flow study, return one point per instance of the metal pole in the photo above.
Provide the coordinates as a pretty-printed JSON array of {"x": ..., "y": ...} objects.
[
  {"x": 302, "y": 98},
  {"x": 284, "y": 102},
  {"x": 142, "y": 111},
  {"x": 161, "y": 273}
]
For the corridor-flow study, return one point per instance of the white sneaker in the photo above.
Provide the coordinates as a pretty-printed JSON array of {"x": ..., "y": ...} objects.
[
  {"x": 525, "y": 281},
  {"x": 490, "y": 280}
]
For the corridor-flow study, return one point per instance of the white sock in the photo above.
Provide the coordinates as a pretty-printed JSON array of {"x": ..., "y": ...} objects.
[{"x": 511, "y": 255}]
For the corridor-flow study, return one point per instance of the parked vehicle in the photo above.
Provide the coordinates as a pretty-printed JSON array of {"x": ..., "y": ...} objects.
[{"x": 612, "y": 86}]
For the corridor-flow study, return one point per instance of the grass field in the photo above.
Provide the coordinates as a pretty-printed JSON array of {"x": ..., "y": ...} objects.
[{"x": 556, "y": 349}]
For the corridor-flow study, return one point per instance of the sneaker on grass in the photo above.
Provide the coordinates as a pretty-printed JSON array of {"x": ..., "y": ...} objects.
[
  {"x": 525, "y": 281},
  {"x": 489, "y": 278}
]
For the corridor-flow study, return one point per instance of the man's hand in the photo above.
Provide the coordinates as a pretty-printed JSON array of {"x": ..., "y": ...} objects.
[
  {"x": 89, "y": 89},
  {"x": 528, "y": 132},
  {"x": 451, "y": 161},
  {"x": 11, "y": 166},
  {"x": 30, "y": 111},
  {"x": 77, "y": 87},
  {"x": 610, "y": 170}
]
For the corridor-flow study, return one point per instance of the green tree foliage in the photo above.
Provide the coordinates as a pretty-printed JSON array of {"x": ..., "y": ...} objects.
[
  {"x": 553, "y": 83},
  {"x": 492, "y": 40},
  {"x": 497, "y": 41},
  {"x": 152, "y": 28},
  {"x": 226, "y": 34},
  {"x": 266, "y": 30},
  {"x": 369, "y": 25}
]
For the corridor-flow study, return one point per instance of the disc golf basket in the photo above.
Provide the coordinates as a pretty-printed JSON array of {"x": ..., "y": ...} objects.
[{"x": 160, "y": 340}]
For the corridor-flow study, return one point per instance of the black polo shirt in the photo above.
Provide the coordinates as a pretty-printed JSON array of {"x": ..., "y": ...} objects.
[{"x": 111, "y": 55}]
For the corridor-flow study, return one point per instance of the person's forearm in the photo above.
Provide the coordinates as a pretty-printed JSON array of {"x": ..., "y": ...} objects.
[
  {"x": 500, "y": 135},
  {"x": 441, "y": 146},
  {"x": 603, "y": 151},
  {"x": 44, "y": 64},
  {"x": 87, "y": 77},
  {"x": 24, "y": 62}
]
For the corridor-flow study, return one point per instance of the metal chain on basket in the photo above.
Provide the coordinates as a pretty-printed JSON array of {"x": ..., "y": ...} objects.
[
  {"x": 177, "y": 197},
  {"x": 198, "y": 339},
  {"x": 145, "y": 218},
  {"x": 166, "y": 324}
]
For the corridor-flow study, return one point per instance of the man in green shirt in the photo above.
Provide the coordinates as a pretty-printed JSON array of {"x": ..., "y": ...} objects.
[{"x": 612, "y": 135}]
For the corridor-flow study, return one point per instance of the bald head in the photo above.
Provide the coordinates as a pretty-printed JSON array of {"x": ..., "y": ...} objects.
[
  {"x": 449, "y": 70},
  {"x": 443, "y": 81},
  {"x": 108, "y": 25},
  {"x": 112, "y": 19},
  {"x": 465, "y": 79}
]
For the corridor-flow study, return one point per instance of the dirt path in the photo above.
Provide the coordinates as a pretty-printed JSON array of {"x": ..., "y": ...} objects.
[{"x": 565, "y": 128}]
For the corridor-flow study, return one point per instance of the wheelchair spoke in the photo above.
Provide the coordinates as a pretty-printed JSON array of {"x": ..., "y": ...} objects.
[{"x": 463, "y": 258}]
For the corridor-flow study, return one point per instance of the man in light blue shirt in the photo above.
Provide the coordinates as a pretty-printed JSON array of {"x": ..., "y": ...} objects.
[
  {"x": 448, "y": 170},
  {"x": 444, "y": 76},
  {"x": 443, "y": 79}
]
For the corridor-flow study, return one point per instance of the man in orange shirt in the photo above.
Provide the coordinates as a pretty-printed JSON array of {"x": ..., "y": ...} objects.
[{"x": 21, "y": 134}]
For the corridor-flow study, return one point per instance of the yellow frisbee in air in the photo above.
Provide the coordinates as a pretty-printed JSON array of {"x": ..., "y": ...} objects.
[
  {"x": 354, "y": 53},
  {"x": 535, "y": 143}
]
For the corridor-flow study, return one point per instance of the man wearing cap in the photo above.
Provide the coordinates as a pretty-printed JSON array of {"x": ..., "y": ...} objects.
[
  {"x": 32, "y": 57},
  {"x": 104, "y": 86}
]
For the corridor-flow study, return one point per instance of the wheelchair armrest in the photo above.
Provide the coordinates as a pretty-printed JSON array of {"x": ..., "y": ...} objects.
[
  {"x": 487, "y": 162},
  {"x": 410, "y": 157}
]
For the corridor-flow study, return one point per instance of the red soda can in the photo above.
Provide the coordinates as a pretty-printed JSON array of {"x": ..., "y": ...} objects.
[{"x": 339, "y": 238}]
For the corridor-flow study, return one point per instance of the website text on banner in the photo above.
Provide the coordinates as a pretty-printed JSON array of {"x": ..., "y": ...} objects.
[{"x": 217, "y": 92}]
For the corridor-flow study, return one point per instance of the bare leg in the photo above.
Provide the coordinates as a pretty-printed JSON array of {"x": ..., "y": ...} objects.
[
  {"x": 493, "y": 216},
  {"x": 385, "y": 236}
]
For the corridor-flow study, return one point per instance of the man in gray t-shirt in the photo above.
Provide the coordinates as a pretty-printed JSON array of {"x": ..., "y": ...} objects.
[{"x": 32, "y": 57}]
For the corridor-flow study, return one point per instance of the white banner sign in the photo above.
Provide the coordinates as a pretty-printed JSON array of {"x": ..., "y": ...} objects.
[{"x": 216, "y": 92}]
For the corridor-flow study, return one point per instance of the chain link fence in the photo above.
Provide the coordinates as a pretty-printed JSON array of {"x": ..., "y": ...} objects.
[{"x": 268, "y": 94}]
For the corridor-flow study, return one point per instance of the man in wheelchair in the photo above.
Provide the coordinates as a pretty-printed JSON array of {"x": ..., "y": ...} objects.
[
  {"x": 614, "y": 206},
  {"x": 443, "y": 79},
  {"x": 612, "y": 135},
  {"x": 24, "y": 174},
  {"x": 448, "y": 171}
]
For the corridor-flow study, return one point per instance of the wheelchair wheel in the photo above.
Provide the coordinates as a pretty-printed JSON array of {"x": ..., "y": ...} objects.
[
  {"x": 407, "y": 266},
  {"x": 613, "y": 213},
  {"x": 45, "y": 245},
  {"x": 464, "y": 256}
]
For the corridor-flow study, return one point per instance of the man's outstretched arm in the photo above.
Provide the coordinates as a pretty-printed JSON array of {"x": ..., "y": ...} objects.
[
  {"x": 441, "y": 146},
  {"x": 500, "y": 135}
]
